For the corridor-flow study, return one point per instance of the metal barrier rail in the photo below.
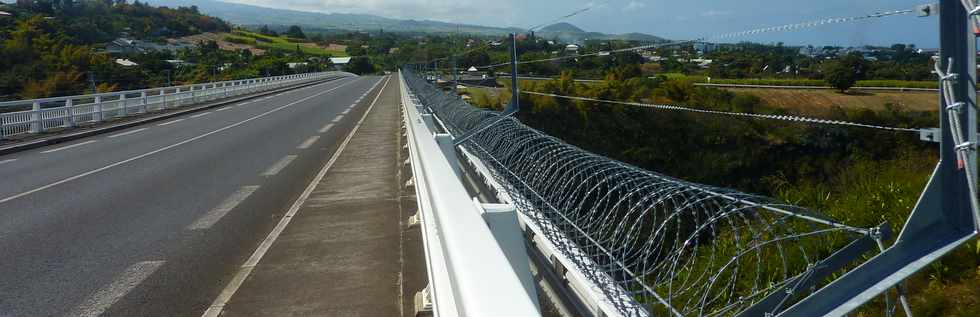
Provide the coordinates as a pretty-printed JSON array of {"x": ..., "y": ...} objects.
[
  {"x": 70, "y": 111},
  {"x": 654, "y": 244},
  {"x": 469, "y": 269}
]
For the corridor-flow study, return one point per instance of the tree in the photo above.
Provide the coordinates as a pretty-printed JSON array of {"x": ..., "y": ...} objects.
[
  {"x": 295, "y": 32},
  {"x": 360, "y": 66},
  {"x": 839, "y": 75}
]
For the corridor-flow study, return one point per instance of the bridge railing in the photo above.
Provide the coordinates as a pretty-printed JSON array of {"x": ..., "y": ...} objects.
[
  {"x": 45, "y": 114},
  {"x": 650, "y": 243},
  {"x": 472, "y": 269}
]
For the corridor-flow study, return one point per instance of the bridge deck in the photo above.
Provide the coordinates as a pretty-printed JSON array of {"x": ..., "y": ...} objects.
[{"x": 341, "y": 254}]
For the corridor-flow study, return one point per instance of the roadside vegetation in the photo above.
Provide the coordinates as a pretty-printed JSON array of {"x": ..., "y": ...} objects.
[
  {"x": 60, "y": 48},
  {"x": 859, "y": 176}
]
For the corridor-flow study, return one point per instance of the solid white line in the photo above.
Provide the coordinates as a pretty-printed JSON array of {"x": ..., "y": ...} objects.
[
  {"x": 100, "y": 301},
  {"x": 170, "y": 122},
  {"x": 338, "y": 118},
  {"x": 201, "y": 114},
  {"x": 309, "y": 142},
  {"x": 346, "y": 111},
  {"x": 212, "y": 217},
  {"x": 222, "y": 109},
  {"x": 236, "y": 282},
  {"x": 279, "y": 166},
  {"x": 127, "y": 133},
  {"x": 104, "y": 168},
  {"x": 7, "y": 161},
  {"x": 68, "y": 147},
  {"x": 353, "y": 105},
  {"x": 325, "y": 128}
]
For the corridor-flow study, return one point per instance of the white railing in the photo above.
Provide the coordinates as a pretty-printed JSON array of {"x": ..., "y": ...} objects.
[
  {"x": 45, "y": 114},
  {"x": 468, "y": 267}
]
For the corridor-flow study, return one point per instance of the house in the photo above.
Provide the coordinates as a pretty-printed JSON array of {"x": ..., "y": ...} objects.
[
  {"x": 130, "y": 46},
  {"x": 705, "y": 48},
  {"x": 296, "y": 65},
  {"x": 126, "y": 62},
  {"x": 340, "y": 60},
  {"x": 572, "y": 48}
]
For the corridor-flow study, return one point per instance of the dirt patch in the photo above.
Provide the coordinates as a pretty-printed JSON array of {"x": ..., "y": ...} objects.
[{"x": 220, "y": 39}]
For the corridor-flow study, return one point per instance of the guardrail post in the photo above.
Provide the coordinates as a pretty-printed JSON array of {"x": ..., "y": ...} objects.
[
  {"x": 36, "y": 117},
  {"x": 177, "y": 98},
  {"x": 98, "y": 109},
  {"x": 122, "y": 100},
  {"x": 163, "y": 99},
  {"x": 143, "y": 102},
  {"x": 448, "y": 148},
  {"x": 70, "y": 112}
]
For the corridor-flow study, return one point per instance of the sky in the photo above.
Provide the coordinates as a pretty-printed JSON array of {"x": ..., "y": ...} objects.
[{"x": 673, "y": 19}]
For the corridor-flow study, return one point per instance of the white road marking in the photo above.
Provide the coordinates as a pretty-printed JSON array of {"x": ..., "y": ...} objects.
[
  {"x": 107, "y": 167},
  {"x": 309, "y": 142},
  {"x": 68, "y": 147},
  {"x": 279, "y": 166},
  {"x": 236, "y": 282},
  {"x": 170, "y": 122},
  {"x": 212, "y": 217},
  {"x": 325, "y": 128},
  {"x": 7, "y": 161},
  {"x": 338, "y": 118},
  {"x": 100, "y": 301},
  {"x": 222, "y": 109},
  {"x": 201, "y": 114},
  {"x": 346, "y": 111},
  {"x": 353, "y": 105},
  {"x": 127, "y": 133}
]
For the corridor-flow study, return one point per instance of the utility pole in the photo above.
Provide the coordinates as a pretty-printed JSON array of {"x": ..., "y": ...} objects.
[
  {"x": 515, "y": 100},
  {"x": 455, "y": 72},
  {"x": 169, "y": 83}
]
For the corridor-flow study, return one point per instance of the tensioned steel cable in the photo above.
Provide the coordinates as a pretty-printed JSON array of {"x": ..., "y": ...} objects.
[
  {"x": 724, "y": 36},
  {"x": 798, "y": 119},
  {"x": 653, "y": 244}
]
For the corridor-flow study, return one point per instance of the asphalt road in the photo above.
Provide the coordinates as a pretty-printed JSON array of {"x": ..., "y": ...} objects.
[{"x": 154, "y": 220}]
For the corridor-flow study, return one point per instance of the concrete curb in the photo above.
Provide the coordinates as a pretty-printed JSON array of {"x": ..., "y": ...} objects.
[{"x": 33, "y": 144}]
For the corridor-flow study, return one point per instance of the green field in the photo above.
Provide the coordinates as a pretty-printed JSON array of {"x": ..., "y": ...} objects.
[
  {"x": 280, "y": 43},
  {"x": 806, "y": 82}
]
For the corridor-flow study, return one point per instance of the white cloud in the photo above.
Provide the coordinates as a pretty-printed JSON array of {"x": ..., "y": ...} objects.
[
  {"x": 634, "y": 5},
  {"x": 715, "y": 13}
]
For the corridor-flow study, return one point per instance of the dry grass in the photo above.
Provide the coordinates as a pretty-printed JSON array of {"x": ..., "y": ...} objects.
[{"x": 815, "y": 102}]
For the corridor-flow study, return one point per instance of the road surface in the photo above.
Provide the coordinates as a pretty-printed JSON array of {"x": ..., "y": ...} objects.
[{"x": 156, "y": 219}]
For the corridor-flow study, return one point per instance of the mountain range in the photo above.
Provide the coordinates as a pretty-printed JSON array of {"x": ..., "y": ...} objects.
[{"x": 250, "y": 15}]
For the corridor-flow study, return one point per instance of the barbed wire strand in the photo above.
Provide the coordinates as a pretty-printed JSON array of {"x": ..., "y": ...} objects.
[{"x": 788, "y": 118}]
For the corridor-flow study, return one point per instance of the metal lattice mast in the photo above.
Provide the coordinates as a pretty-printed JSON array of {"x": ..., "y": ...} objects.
[{"x": 946, "y": 215}]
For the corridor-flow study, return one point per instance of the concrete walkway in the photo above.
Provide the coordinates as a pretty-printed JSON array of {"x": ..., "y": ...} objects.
[{"x": 341, "y": 255}]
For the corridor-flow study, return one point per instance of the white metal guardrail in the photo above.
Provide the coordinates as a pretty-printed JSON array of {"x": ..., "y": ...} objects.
[
  {"x": 469, "y": 270},
  {"x": 70, "y": 111}
]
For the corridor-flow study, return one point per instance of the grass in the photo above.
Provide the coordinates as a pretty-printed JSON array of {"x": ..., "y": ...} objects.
[
  {"x": 805, "y": 82},
  {"x": 281, "y": 43},
  {"x": 817, "y": 102}
]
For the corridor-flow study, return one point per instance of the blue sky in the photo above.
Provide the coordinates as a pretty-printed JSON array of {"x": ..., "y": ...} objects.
[{"x": 673, "y": 19}]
